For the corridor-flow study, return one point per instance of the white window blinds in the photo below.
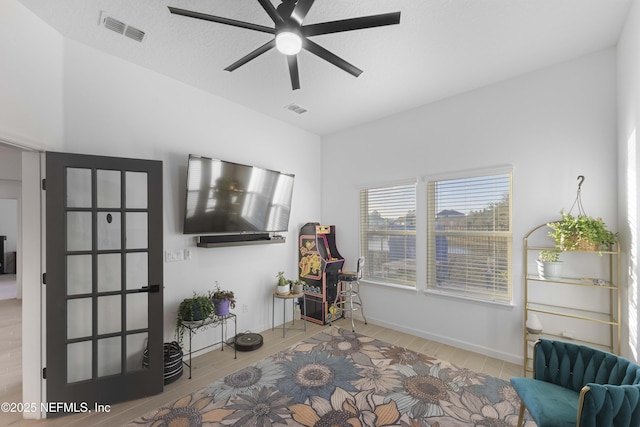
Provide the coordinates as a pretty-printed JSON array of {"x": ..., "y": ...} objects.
[
  {"x": 388, "y": 233},
  {"x": 469, "y": 236}
]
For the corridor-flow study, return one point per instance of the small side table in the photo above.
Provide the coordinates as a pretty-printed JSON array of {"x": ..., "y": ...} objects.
[
  {"x": 215, "y": 321},
  {"x": 285, "y": 297}
]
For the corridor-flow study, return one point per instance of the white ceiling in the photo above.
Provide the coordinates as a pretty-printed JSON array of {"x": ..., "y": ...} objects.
[{"x": 439, "y": 49}]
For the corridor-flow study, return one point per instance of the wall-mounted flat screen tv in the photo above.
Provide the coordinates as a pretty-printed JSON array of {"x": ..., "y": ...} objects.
[{"x": 226, "y": 197}]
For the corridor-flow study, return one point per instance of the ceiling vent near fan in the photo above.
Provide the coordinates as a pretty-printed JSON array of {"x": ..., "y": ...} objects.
[
  {"x": 120, "y": 27},
  {"x": 295, "y": 108},
  {"x": 134, "y": 33}
]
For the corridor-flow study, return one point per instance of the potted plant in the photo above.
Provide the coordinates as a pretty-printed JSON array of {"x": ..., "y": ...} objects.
[
  {"x": 298, "y": 286},
  {"x": 549, "y": 264},
  {"x": 581, "y": 232},
  {"x": 223, "y": 301},
  {"x": 194, "y": 309},
  {"x": 283, "y": 286}
]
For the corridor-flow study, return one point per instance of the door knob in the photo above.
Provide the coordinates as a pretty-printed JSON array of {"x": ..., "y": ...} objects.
[{"x": 151, "y": 288}]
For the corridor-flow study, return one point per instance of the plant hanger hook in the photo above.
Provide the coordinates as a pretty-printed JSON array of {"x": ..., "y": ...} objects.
[{"x": 578, "y": 200}]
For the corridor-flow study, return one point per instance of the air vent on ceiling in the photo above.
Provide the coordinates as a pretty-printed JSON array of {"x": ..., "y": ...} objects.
[
  {"x": 120, "y": 27},
  {"x": 114, "y": 25},
  {"x": 295, "y": 108},
  {"x": 134, "y": 33}
]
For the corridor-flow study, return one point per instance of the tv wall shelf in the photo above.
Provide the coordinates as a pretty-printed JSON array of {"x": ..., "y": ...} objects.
[
  {"x": 237, "y": 240},
  {"x": 572, "y": 307}
]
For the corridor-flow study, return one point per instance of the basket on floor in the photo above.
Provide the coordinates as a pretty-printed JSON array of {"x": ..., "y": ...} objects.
[{"x": 172, "y": 361}]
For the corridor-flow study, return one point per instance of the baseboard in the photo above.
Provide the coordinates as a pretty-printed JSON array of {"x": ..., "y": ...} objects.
[{"x": 507, "y": 357}]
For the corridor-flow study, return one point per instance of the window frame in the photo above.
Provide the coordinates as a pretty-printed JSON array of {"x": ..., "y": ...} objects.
[
  {"x": 506, "y": 237},
  {"x": 369, "y": 264}
]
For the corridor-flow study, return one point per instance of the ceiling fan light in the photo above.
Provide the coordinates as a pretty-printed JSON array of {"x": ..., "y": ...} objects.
[{"x": 288, "y": 42}]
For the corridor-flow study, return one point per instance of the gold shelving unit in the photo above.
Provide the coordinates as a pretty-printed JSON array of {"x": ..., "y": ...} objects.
[{"x": 575, "y": 293}]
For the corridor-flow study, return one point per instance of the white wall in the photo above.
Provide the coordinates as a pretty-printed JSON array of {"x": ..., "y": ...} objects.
[
  {"x": 628, "y": 164},
  {"x": 64, "y": 96},
  {"x": 125, "y": 110},
  {"x": 551, "y": 126},
  {"x": 31, "y": 115},
  {"x": 10, "y": 166},
  {"x": 10, "y": 177},
  {"x": 30, "y": 79},
  {"x": 33, "y": 307},
  {"x": 9, "y": 227}
]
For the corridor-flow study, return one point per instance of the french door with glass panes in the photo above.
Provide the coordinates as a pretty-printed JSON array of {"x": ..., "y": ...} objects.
[{"x": 104, "y": 313}]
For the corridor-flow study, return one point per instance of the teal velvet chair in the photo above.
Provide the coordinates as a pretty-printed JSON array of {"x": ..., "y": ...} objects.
[{"x": 576, "y": 385}]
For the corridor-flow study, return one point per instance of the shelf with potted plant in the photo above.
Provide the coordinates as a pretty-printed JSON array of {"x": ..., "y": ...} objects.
[
  {"x": 596, "y": 268},
  {"x": 573, "y": 234},
  {"x": 201, "y": 312},
  {"x": 192, "y": 311},
  {"x": 553, "y": 255},
  {"x": 589, "y": 310}
]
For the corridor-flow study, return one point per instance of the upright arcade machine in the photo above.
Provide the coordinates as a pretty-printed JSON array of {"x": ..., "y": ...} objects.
[{"x": 318, "y": 266}]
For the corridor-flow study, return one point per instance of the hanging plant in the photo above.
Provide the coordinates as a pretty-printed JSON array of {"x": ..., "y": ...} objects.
[{"x": 581, "y": 232}]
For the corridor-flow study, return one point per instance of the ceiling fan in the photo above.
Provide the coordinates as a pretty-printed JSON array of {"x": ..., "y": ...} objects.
[{"x": 291, "y": 36}]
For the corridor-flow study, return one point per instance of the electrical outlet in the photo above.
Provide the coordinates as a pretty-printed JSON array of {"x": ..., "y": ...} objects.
[
  {"x": 187, "y": 254},
  {"x": 245, "y": 308}
]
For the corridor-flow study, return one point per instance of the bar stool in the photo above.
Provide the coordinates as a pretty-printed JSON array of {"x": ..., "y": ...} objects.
[{"x": 348, "y": 298}]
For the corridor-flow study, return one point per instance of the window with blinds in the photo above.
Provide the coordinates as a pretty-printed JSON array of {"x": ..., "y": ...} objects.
[
  {"x": 388, "y": 233},
  {"x": 469, "y": 236}
]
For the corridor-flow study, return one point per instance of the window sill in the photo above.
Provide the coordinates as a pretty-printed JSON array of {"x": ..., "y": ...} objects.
[
  {"x": 391, "y": 285},
  {"x": 493, "y": 303}
]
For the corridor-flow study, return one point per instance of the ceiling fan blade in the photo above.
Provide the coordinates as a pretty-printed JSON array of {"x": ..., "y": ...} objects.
[
  {"x": 292, "y": 60},
  {"x": 271, "y": 11},
  {"x": 259, "y": 51},
  {"x": 220, "y": 20},
  {"x": 301, "y": 10},
  {"x": 323, "y": 53},
  {"x": 351, "y": 24}
]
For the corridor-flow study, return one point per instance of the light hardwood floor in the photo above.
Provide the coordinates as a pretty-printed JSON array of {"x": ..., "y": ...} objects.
[{"x": 210, "y": 367}]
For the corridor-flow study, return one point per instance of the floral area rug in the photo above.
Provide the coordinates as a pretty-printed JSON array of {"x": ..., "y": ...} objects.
[{"x": 338, "y": 378}]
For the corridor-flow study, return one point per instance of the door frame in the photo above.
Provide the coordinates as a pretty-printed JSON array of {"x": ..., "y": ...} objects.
[
  {"x": 33, "y": 294},
  {"x": 32, "y": 264},
  {"x": 128, "y": 384}
]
